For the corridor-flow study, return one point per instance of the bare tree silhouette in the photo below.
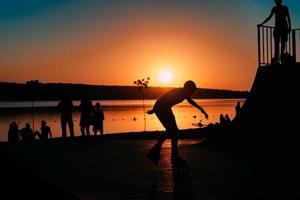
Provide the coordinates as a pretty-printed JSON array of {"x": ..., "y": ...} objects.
[{"x": 142, "y": 84}]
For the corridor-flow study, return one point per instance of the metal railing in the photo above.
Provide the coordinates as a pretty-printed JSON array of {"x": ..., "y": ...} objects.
[{"x": 266, "y": 44}]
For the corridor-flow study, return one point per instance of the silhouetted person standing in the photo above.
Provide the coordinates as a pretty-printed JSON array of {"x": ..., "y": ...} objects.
[
  {"x": 163, "y": 110},
  {"x": 45, "y": 132},
  {"x": 98, "y": 119},
  {"x": 27, "y": 134},
  {"x": 86, "y": 108},
  {"x": 238, "y": 108},
  {"x": 13, "y": 133},
  {"x": 65, "y": 108},
  {"x": 282, "y": 26}
]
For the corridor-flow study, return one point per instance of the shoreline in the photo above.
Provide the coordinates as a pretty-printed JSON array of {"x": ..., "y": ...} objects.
[{"x": 193, "y": 133}]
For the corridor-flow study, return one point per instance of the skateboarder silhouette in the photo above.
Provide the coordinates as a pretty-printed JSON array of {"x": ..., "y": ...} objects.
[{"x": 163, "y": 110}]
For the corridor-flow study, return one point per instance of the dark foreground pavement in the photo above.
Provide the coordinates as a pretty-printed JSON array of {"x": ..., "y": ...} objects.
[{"x": 119, "y": 170}]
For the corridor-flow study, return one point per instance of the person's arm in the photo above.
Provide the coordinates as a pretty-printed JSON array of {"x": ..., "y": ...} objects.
[
  {"x": 150, "y": 112},
  {"x": 193, "y": 103},
  {"x": 289, "y": 20},
  {"x": 268, "y": 18},
  {"x": 37, "y": 133}
]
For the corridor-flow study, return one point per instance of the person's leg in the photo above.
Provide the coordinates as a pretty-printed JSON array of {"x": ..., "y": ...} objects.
[
  {"x": 276, "y": 44},
  {"x": 283, "y": 44},
  {"x": 82, "y": 130},
  {"x": 71, "y": 127},
  {"x": 283, "y": 39},
  {"x": 164, "y": 118},
  {"x": 173, "y": 131},
  {"x": 154, "y": 153},
  {"x": 174, "y": 143},
  {"x": 101, "y": 128},
  {"x": 167, "y": 119},
  {"x": 95, "y": 129},
  {"x": 162, "y": 138},
  {"x": 63, "y": 127},
  {"x": 276, "y": 53},
  {"x": 87, "y": 127}
]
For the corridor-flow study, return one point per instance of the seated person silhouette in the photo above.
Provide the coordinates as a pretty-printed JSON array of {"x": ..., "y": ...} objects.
[
  {"x": 227, "y": 119},
  {"x": 282, "y": 27},
  {"x": 163, "y": 110},
  {"x": 13, "y": 133},
  {"x": 222, "y": 119},
  {"x": 45, "y": 133},
  {"x": 27, "y": 134}
]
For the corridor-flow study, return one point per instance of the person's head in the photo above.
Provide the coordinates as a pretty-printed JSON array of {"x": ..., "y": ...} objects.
[
  {"x": 98, "y": 106},
  {"x": 190, "y": 86},
  {"x": 278, "y": 2},
  {"x": 27, "y": 125},
  {"x": 43, "y": 123}
]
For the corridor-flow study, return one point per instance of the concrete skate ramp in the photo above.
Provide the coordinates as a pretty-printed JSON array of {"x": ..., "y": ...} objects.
[{"x": 269, "y": 116}]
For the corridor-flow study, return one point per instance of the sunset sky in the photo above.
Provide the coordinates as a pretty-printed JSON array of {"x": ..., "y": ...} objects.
[{"x": 212, "y": 42}]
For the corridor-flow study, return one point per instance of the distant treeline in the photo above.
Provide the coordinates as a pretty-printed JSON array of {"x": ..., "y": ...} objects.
[{"x": 34, "y": 90}]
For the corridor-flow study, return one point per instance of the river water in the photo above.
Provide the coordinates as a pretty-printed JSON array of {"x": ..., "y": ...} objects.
[{"x": 120, "y": 115}]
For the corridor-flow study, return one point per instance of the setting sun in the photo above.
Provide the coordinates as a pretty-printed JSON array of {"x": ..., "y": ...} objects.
[{"x": 165, "y": 76}]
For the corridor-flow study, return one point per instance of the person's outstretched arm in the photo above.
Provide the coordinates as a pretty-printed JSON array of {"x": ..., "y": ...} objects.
[
  {"x": 193, "y": 103},
  {"x": 150, "y": 112},
  {"x": 268, "y": 18}
]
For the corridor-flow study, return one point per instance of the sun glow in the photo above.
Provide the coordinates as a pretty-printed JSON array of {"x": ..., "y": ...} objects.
[{"x": 165, "y": 76}]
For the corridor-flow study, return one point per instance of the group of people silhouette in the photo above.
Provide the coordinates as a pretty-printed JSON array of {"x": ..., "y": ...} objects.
[
  {"x": 90, "y": 115},
  {"x": 225, "y": 120},
  {"x": 26, "y": 134}
]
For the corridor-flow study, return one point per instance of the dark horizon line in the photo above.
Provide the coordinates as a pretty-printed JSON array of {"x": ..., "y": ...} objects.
[{"x": 85, "y": 84}]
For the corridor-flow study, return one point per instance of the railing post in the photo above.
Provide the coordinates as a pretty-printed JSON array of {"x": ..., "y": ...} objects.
[
  {"x": 258, "y": 40},
  {"x": 271, "y": 43},
  {"x": 294, "y": 45},
  {"x": 263, "y": 44},
  {"x": 268, "y": 45}
]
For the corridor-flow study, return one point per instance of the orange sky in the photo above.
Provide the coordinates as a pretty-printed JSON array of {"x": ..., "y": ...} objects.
[{"x": 116, "y": 49}]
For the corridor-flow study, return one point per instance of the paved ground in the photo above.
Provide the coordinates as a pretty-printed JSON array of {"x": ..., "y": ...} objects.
[{"x": 119, "y": 170}]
